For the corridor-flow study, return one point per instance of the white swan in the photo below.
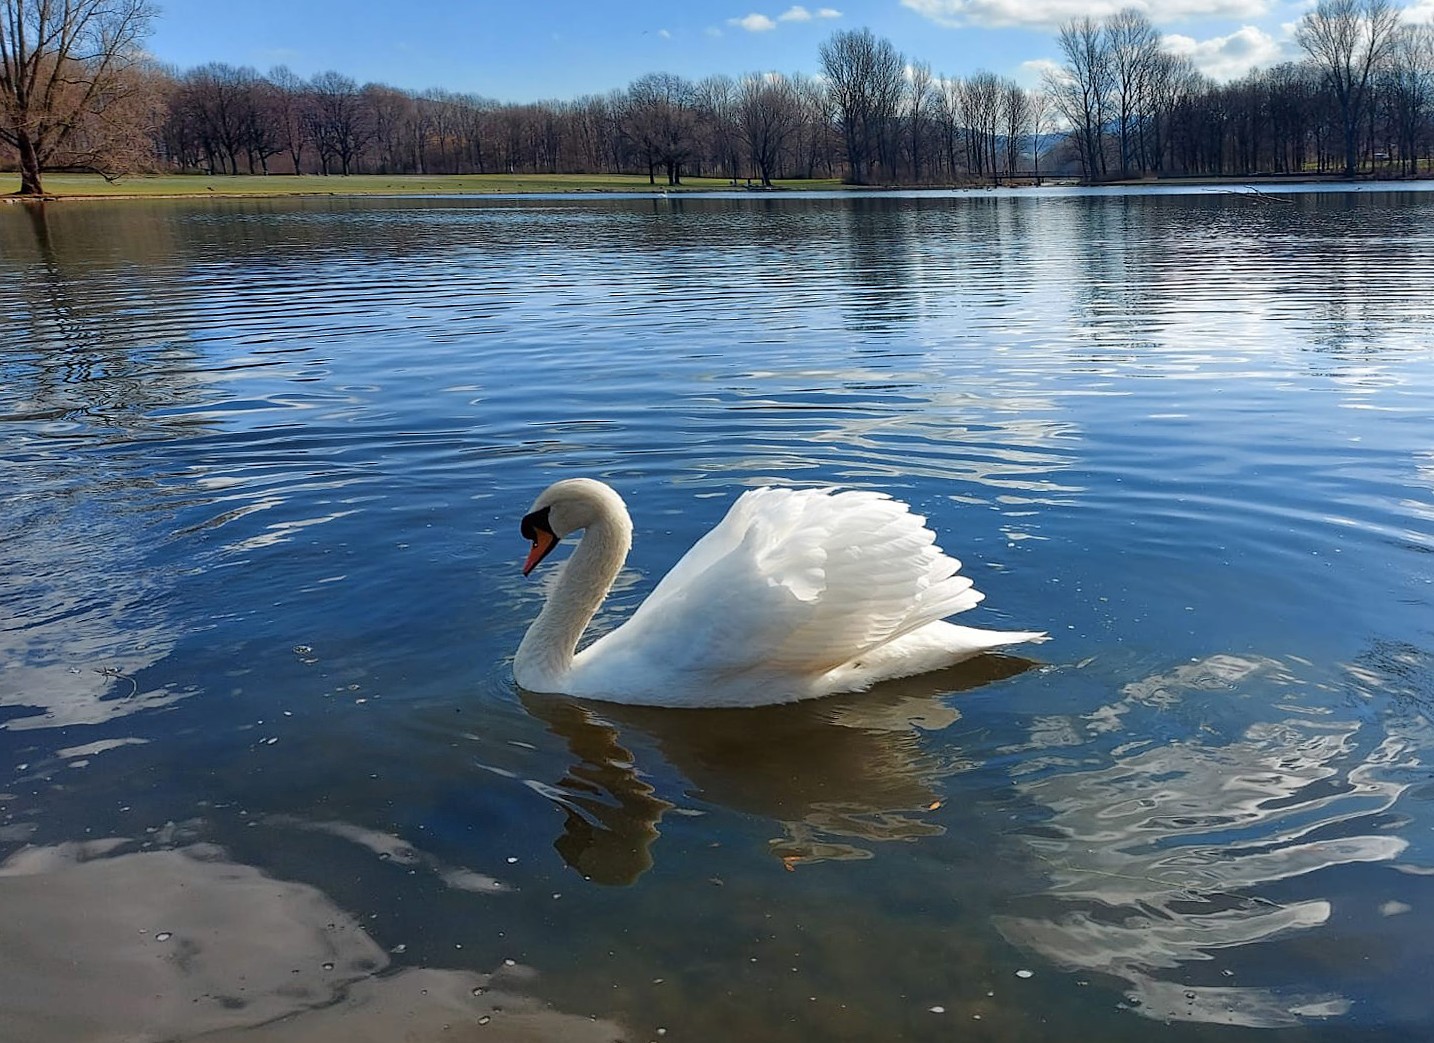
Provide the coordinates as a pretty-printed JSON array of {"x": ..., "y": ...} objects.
[{"x": 796, "y": 593}]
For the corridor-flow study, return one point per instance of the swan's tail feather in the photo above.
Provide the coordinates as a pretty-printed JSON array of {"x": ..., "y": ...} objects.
[
  {"x": 935, "y": 646},
  {"x": 988, "y": 639}
]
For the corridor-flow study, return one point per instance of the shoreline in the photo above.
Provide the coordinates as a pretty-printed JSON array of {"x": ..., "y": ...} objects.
[
  {"x": 83, "y": 187},
  {"x": 66, "y": 187}
]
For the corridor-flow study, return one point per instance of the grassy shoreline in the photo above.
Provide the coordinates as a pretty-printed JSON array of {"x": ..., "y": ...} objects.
[
  {"x": 181, "y": 186},
  {"x": 249, "y": 186}
]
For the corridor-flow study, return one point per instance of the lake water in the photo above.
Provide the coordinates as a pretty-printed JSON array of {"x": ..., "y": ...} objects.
[{"x": 264, "y": 771}]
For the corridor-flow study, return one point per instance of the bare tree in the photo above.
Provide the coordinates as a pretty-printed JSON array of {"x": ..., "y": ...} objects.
[
  {"x": 232, "y": 112},
  {"x": 65, "y": 64},
  {"x": 1082, "y": 90},
  {"x": 1134, "y": 47},
  {"x": 948, "y": 113},
  {"x": 178, "y": 139},
  {"x": 718, "y": 101},
  {"x": 126, "y": 137},
  {"x": 981, "y": 95},
  {"x": 1041, "y": 110},
  {"x": 211, "y": 99},
  {"x": 527, "y": 138},
  {"x": 920, "y": 100},
  {"x": 767, "y": 109},
  {"x": 1348, "y": 39},
  {"x": 1173, "y": 80},
  {"x": 1015, "y": 123},
  {"x": 592, "y": 128},
  {"x": 863, "y": 76},
  {"x": 291, "y": 105},
  {"x": 475, "y": 122},
  {"x": 341, "y": 122},
  {"x": 888, "y": 97},
  {"x": 1409, "y": 86},
  {"x": 263, "y": 135},
  {"x": 660, "y": 116},
  {"x": 392, "y": 112},
  {"x": 816, "y": 143}
]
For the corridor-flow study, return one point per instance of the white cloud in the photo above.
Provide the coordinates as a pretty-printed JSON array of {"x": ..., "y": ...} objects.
[
  {"x": 1050, "y": 13},
  {"x": 1228, "y": 57},
  {"x": 754, "y": 23},
  {"x": 798, "y": 13},
  {"x": 1419, "y": 11},
  {"x": 1033, "y": 73},
  {"x": 664, "y": 34},
  {"x": 712, "y": 31}
]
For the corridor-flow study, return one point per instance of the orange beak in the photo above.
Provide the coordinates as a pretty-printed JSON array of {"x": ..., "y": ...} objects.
[{"x": 543, "y": 543}]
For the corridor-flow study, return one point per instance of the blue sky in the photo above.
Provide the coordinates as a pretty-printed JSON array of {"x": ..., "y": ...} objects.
[{"x": 516, "y": 51}]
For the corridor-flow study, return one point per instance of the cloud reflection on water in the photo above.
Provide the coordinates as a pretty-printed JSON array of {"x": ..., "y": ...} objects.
[
  {"x": 82, "y": 620},
  {"x": 1163, "y": 863}
]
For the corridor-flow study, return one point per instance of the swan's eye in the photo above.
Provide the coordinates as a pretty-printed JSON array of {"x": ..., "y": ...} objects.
[{"x": 535, "y": 523}]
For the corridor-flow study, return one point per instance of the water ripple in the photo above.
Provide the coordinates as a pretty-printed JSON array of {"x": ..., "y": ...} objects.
[{"x": 1187, "y": 432}]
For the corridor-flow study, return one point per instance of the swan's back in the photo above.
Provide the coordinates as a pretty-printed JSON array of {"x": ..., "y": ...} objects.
[{"x": 792, "y": 588}]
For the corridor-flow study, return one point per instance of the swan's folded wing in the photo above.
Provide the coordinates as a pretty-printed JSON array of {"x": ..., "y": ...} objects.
[
  {"x": 882, "y": 577},
  {"x": 793, "y": 582}
]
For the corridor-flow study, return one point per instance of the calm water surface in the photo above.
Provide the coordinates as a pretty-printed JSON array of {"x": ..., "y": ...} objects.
[{"x": 260, "y": 748}]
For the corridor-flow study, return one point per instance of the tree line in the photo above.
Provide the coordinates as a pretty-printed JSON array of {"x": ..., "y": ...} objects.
[
  {"x": 1121, "y": 104},
  {"x": 1362, "y": 98}
]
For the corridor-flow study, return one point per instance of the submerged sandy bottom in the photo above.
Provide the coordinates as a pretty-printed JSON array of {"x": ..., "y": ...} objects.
[{"x": 160, "y": 945}]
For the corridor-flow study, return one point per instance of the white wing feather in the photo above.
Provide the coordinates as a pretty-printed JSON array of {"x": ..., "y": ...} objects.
[{"x": 792, "y": 582}]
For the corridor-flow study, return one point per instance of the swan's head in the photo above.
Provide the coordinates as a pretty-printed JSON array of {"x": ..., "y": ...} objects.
[{"x": 564, "y": 508}]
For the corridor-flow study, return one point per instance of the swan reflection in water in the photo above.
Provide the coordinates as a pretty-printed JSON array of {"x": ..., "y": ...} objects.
[
  {"x": 838, "y": 774},
  {"x": 1200, "y": 874}
]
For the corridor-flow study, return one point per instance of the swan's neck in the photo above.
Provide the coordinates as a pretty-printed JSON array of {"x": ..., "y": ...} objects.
[{"x": 546, "y": 653}]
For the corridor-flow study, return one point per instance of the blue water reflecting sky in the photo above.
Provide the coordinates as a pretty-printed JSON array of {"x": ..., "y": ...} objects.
[{"x": 259, "y": 563}]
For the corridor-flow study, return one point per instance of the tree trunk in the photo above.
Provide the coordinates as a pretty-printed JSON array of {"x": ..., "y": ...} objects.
[{"x": 29, "y": 166}]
